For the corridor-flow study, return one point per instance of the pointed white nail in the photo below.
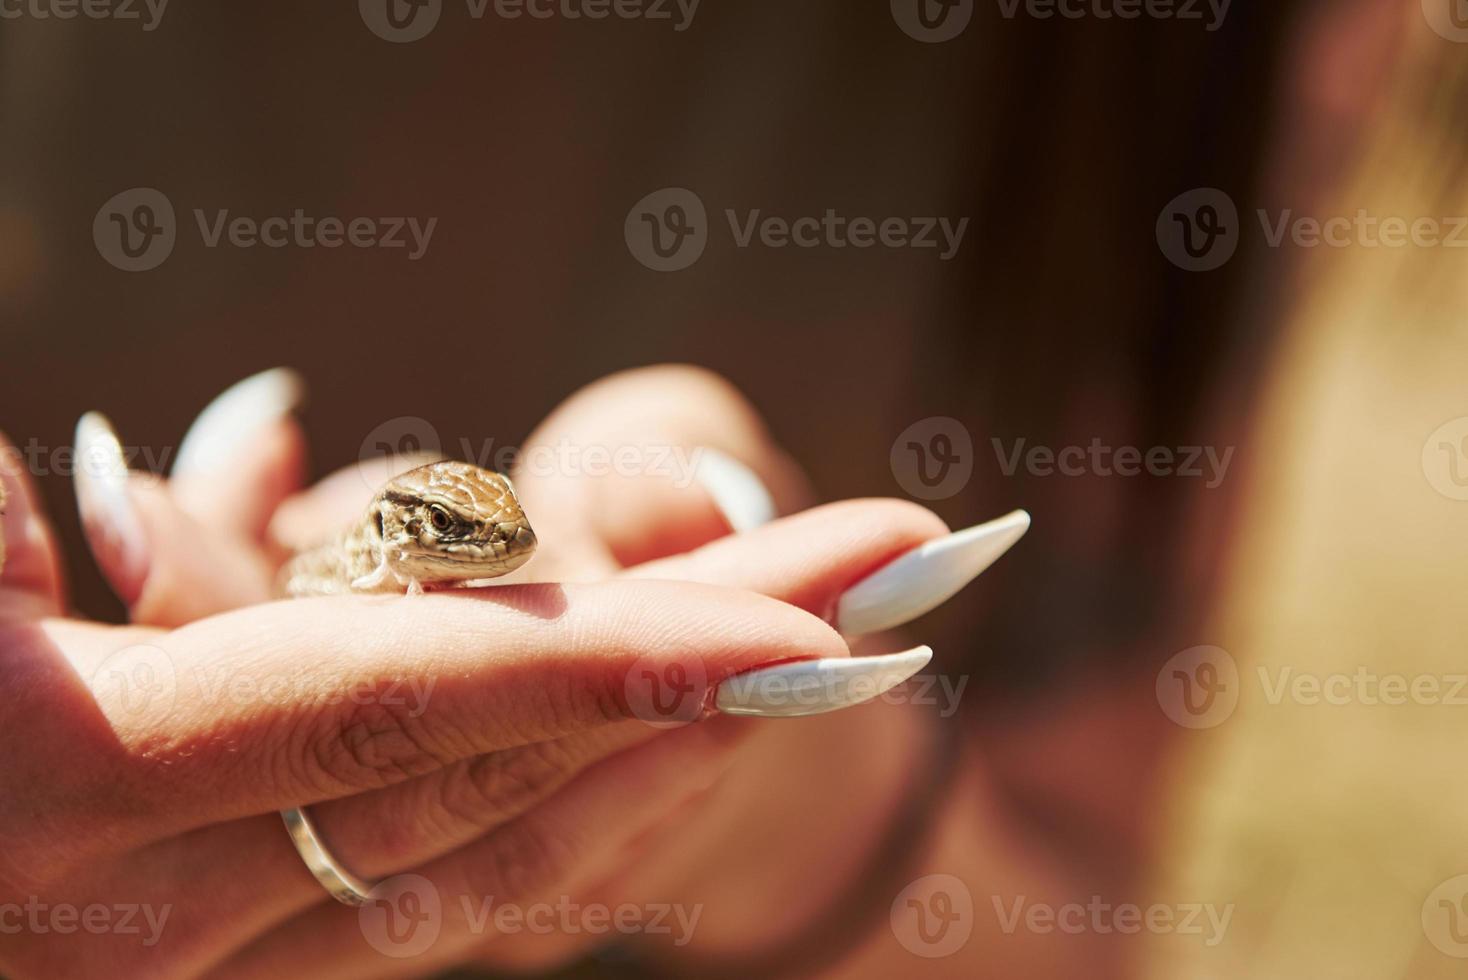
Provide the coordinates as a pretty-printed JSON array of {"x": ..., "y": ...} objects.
[
  {"x": 235, "y": 416},
  {"x": 740, "y": 495},
  {"x": 813, "y": 687},
  {"x": 926, "y": 577},
  {"x": 114, "y": 529}
]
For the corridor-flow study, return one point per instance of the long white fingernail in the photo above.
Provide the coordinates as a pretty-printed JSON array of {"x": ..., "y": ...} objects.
[
  {"x": 927, "y": 576},
  {"x": 740, "y": 495},
  {"x": 114, "y": 529},
  {"x": 235, "y": 416},
  {"x": 813, "y": 687}
]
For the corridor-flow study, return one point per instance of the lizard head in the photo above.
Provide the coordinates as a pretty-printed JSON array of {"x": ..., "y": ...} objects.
[{"x": 450, "y": 521}]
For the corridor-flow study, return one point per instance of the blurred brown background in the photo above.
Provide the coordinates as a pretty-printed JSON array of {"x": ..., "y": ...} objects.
[{"x": 1058, "y": 320}]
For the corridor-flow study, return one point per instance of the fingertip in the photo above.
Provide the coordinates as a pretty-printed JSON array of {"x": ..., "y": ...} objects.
[
  {"x": 738, "y": 492},
  {"x": 110, "y": 520},
  {"x": 268, "y": 466},
  {"x": 235, "y": 418},
  {"x": 29, "y": 562}
]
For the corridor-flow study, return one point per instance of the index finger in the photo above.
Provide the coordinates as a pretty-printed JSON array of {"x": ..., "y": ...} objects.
[{"x": 290, "y": 703}]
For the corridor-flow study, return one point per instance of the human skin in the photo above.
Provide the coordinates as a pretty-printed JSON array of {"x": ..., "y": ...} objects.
[{"x": 518, "y": 782}]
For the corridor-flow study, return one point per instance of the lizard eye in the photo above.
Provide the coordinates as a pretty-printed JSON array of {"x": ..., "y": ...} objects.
[{"x": 440, "y": 518}]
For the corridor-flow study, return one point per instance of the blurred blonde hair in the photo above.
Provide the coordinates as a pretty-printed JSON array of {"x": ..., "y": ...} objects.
[{"x": 1330, "y": 827}]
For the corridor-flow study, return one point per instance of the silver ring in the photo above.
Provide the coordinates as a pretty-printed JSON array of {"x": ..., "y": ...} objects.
[{"x": 344, "y": 886}]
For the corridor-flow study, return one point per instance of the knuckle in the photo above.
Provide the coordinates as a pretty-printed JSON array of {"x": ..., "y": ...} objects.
[
  {"x": 502, "y": 785},
  {"x": 565, "y": 703},
  {"x": 583, "y": 701},
  {"x": 369, "y": 745},
  {"x": 522, "y": 858}
]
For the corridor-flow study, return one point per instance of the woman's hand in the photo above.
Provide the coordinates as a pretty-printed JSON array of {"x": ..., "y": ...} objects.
[
  {"x": 488, "y": 741},
  {"x": 811, "y": 560}
]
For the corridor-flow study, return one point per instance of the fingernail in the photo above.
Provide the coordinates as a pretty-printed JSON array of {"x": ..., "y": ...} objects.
[
  {"x": 740, "y": 495},
  {"x": 926, "y": 577},
  {"x": 235, "y": 416},
  {"x": 813, "y": 687},
  {"x": 114, "y": 529}
]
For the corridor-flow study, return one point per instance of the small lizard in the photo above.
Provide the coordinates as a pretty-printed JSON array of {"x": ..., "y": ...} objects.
[{"x": 447, "y": 522}]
